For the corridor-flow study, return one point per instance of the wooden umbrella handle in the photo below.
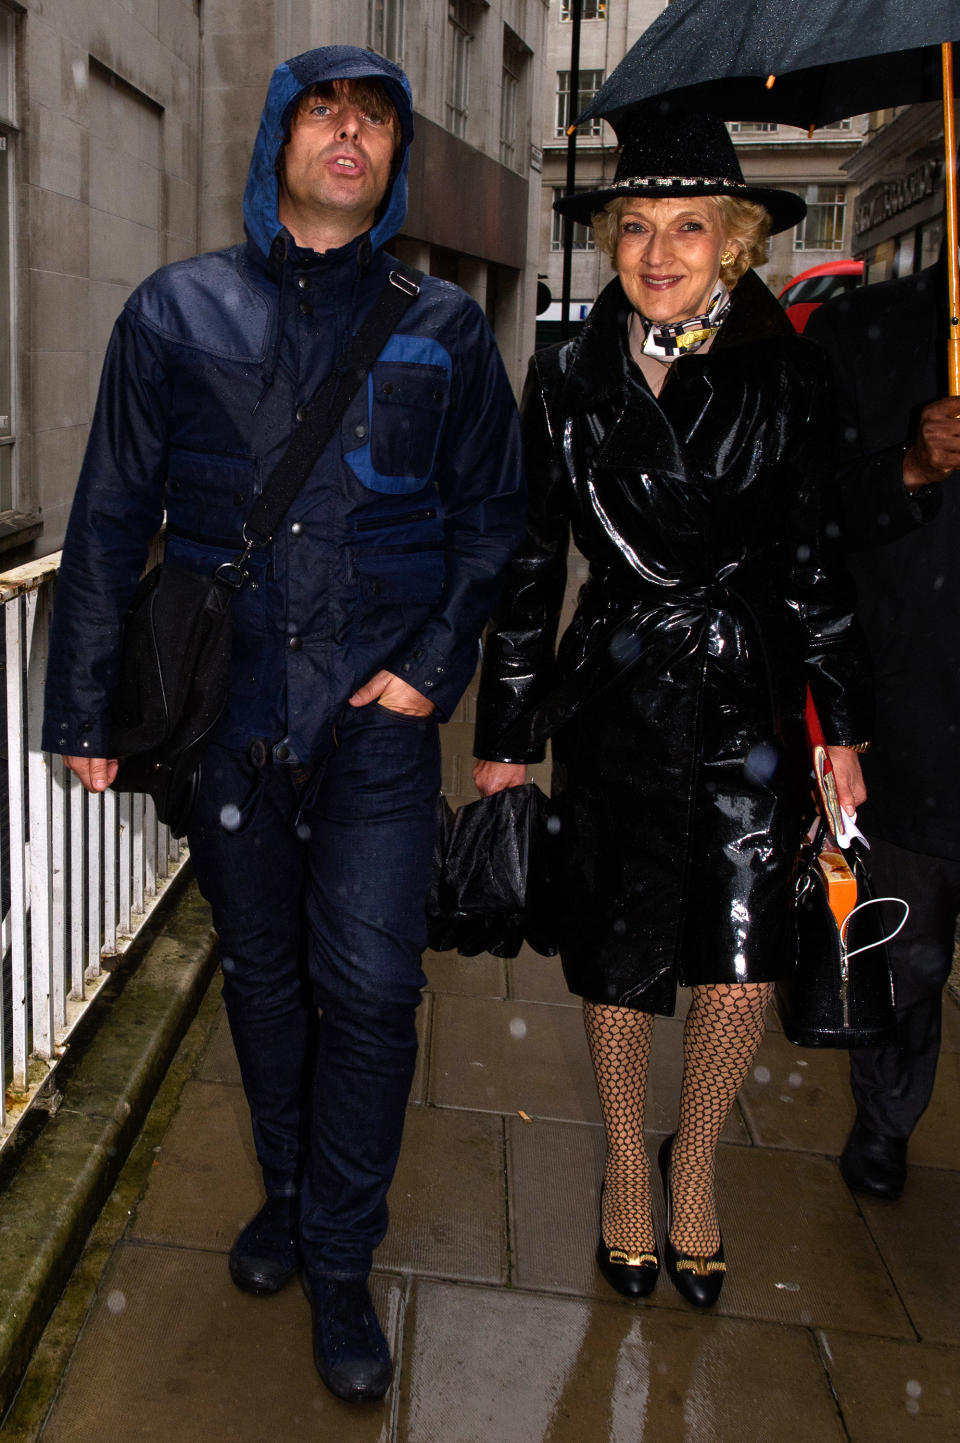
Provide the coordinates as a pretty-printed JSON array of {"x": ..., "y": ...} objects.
[{"x": 953, "y": 263}]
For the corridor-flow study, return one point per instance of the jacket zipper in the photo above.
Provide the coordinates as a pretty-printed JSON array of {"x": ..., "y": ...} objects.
[{"x": 374, "y": 522}]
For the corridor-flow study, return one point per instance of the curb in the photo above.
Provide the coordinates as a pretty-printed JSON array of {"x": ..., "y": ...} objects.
[{"x": 66, "y": 1173}]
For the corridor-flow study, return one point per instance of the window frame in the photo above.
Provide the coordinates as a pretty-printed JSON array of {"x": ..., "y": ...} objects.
[
  {"x": 562, "y": 114},
  {"x": 838, "y": 204}
]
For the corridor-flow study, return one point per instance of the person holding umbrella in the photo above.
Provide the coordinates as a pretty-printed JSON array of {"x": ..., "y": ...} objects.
[
  {"x": 897, "y": 449},
  {"x": 680, "y": 435}
]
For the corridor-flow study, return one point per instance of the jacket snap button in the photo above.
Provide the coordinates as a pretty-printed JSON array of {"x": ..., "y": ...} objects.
[
  {"x": 360, "y": 431},
  {"x": 303, "y": 282},
  {"x": 377, "y": 589},
  {"x": 387, "y": 388},
  {"x": 281, "y": 752},
  {"x": 305, "y": 308},
  {"x": 295, "y": 643},
  {"x": 296, "y": 528},
  {"x": 438, "y": 395},
  {"x": 300, "y": 412}
]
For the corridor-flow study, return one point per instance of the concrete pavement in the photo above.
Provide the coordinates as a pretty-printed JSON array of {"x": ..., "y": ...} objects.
[{"x": 840, "y": 1317}]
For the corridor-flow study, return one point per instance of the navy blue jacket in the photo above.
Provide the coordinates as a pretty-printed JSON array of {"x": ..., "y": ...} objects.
[{"x": 391, "y": 555}]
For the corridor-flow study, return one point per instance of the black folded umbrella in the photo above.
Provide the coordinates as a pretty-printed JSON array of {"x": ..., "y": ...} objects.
[{"x": 491, "y": 889}]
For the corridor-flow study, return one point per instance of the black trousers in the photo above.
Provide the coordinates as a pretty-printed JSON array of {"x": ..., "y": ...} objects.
[{"x": 892, "y": 1085}]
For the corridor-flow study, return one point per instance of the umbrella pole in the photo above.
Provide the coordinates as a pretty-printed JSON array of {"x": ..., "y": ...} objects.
[
  {"x": 576, "y": 10},
  {"x": 950, "y": 180}
]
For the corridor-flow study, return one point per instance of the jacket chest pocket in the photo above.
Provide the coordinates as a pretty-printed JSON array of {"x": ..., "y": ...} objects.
[{"x": 392, "y": 432}]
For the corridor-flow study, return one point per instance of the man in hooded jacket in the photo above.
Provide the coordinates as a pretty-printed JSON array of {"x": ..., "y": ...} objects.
[{"x": 357, "y": 631}]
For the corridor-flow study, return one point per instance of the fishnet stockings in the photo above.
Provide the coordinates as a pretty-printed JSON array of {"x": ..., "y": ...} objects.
[
  {"x": 619, "y": 1041},
  {"x": 723, "y": 1030}
]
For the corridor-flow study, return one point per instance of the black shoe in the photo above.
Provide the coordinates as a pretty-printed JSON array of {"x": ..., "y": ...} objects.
[
  {"x": 349, "y": 1348},
  {"x": 874, "y": 1164},
  {"x": 264, "y": 1257},
  {"x": 699, "y": 1280},
  {"x": 632, "y": 1274}
]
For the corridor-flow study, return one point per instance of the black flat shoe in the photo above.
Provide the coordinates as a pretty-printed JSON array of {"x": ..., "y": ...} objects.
[
  {"x": 264, "y": 1257},
  {"x": 698, "y": 1280},
  {"x": 632, "y": 1274},
  {"x": 349, "y": 1349},
  {"x": 873, "y": 1164}
]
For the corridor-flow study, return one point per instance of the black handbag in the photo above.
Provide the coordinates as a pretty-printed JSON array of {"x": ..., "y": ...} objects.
[
  {"x": 839, "y": 989},
  {"x": 175, "y": 664},
  {"x": 491, "y": 877}
]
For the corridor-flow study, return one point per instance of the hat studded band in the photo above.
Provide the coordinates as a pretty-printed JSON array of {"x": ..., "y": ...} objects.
[{"x": 688, "y": 182}]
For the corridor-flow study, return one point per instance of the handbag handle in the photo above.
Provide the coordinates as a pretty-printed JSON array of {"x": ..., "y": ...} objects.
[{"x": 321, "y": 417}]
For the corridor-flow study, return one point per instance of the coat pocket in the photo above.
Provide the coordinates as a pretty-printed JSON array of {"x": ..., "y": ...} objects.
[{"x": 390, "y": 442}]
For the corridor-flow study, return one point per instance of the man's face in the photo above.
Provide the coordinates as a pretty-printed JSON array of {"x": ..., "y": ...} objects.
[{"x": 337, "y": 161}]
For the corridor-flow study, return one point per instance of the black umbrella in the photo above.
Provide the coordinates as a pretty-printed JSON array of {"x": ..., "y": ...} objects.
[{"x": 800, "y": 64}]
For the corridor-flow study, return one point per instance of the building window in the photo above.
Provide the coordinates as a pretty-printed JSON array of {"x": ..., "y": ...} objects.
[
  {"x": 582, "y": 234},
  {"x": 590, "y": 83},
  {"x": 822, "y": 227},
  {"x": 460, "y": 16},
  {"x": 753, "y": 127},
  {"x": 386, "y": 28},
  {"x": 590, "y": 10},
  {"x": 8, "y": 489},
  {"x": 513, "y": 72}
]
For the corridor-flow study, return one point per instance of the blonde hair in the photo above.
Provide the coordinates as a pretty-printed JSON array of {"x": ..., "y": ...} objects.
[{"x": 744, "y": 223}]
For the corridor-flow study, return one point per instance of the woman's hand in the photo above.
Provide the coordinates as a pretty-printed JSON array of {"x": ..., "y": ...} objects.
[
  {"x": 490, "y": 777},
  {"x": 851, "y": 790}
]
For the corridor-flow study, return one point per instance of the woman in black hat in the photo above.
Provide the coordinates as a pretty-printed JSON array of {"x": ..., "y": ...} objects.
[{"x": 681, "y": 436}]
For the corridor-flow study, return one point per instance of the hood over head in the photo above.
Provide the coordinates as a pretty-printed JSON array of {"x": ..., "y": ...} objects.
[{"x": 289, "y": 80}]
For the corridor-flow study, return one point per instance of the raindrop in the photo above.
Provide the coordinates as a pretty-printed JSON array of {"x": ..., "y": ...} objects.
[
  {"x": 850, "y": 433},
  {"x": 228, "y": 964},
  {"x": 619, "y": 927},
  {"x": 761, "y": 1074},
  {"x": 912, "y": 1407},
  {"x": 553, "y": 825},
  {"x": 230, "y": 817},
  {"x": 873, "y": 333},
  {"x": 788, "y": 1287},
  {"x": 518, "y": 1028},
  {"x": 832, "y": 530},
  {"x": 803, "y": 552},
  {"x": 937, "y": 583},
  {"x": 761, "y": 763},
  {"x": 303, "y": 831},
  {"x": 913, "y": 1388},
  {"x": 116, "y": 1301},
  {"x": 795, "y": 1079}
]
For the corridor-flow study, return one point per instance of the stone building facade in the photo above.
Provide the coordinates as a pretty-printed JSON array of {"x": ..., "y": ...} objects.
[
  {"x": 770, "y": 155},
  {"x": 125, "y": 134}
]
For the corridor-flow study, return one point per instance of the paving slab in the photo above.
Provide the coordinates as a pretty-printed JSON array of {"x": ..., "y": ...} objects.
[
  {"x": 482, "y": 976},
  {"x": 219, "y": 1061},
  {"x": 936, "y": 1140},
  {"x": 950, "y": 1039},
  {"x": 484, "y": 1366},
  {"x": 889, "y": 1392},
  {"x": 917, "y": 1237},
  {"x": 447, "y": 1203},
  {"x": 534, "y": 978},
  {"x": 510, "y": 1056},
  {"x": 172, "y": 1352},
  {"x": 798, "y": 1097},
  {"x": 206, "y": 1182}
]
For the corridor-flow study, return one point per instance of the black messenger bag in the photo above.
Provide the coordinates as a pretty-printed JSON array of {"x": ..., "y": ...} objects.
[{"x": 175, "y": 665}]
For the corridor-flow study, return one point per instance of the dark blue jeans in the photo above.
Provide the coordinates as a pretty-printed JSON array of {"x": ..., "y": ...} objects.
[{"x": 317, "y": 880}]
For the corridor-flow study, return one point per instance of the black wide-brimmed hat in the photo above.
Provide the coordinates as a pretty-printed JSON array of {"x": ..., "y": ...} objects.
[{"x": 665, "y": 153}]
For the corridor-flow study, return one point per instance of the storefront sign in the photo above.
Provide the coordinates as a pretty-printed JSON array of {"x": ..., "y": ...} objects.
[{"x": 890, "y": 197}]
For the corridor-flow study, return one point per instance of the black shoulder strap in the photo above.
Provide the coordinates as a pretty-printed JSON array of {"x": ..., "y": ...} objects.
[{"x": 320, "y": 419}]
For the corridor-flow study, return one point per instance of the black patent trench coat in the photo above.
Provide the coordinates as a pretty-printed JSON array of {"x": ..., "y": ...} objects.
[{"x": 715, "y": 594}]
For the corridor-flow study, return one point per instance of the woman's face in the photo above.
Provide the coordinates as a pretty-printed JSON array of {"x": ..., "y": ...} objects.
[{"x": 668, "y": 255}]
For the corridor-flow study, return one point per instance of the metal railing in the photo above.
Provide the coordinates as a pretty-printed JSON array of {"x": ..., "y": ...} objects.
[{"x": 79, "y": 874}]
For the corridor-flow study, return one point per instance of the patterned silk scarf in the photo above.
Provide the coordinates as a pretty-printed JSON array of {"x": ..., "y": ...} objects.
[{"x": 666, "y": 343}]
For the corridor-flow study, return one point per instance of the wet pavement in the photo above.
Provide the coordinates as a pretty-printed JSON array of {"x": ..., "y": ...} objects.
[{"x": 839, "y": 1319}]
